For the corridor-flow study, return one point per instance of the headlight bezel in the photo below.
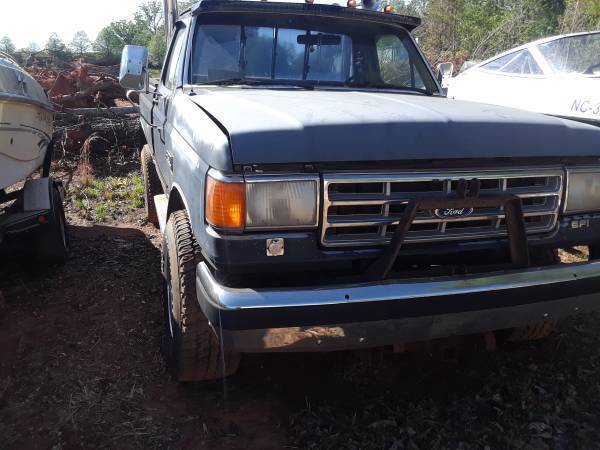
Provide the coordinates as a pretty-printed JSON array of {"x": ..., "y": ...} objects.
[
  {"x": 251, "y": 180},
  {"x": 572, "y": 173}
]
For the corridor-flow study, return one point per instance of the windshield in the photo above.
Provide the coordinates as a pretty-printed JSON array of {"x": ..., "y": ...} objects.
[
  {"x": 307, "y": 56},
  {"x": 574, "y": 55}
]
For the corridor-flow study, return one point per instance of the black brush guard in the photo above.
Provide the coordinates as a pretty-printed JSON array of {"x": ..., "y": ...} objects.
[{"x": 467, "y": 196}]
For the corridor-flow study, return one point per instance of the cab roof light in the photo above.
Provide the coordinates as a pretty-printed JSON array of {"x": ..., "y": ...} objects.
[{"x": 225, "y": 204}]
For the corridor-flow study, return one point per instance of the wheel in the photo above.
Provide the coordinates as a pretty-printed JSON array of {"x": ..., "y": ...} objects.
[
  {"x": 51, "y": 241},
  {"x": 152, "y": 184},
  {"x": 191, "y": 345},
  {"x": 533, "y": 332}
]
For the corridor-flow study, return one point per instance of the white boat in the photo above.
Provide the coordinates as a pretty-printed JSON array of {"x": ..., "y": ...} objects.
[
  {"x": 558, "y": 76},
  {"x": 25, "y": 123}
]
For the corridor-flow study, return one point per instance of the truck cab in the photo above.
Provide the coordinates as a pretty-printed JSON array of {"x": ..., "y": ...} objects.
[{"x": 316, "y": 191}]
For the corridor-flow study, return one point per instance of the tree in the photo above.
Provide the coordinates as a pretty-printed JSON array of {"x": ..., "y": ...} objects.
[
  {"x": 7, "y": 46},
  {"x": 183, "y": 5},
  {"x": 103, "y": 43},
  {"x": 114, "y": 37},
  {"x": 512, "y": 23},
  {"x": 581, "y": 15},
  {"x": 441, "y": 30},
  {"x": 477, "y": 29},
  {"x": 32, "y": 47},
  {"x": 149, "y": 16},
  {"x": 157, "y": 48},
  {"x": 408, "y": 7},
  {"x": 80, "y": 43},
  {"x": 149, "y": 20},
  {"x": 56, "y": 47}
]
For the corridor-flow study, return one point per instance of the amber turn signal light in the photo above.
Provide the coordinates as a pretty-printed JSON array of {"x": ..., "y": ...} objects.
[{"x": 225, "y": 204}]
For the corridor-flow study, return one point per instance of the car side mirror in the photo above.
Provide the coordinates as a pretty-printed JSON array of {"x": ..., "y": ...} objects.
[
  {"x": 134, "y": 68},
  {"x": 444, "y": 73}
]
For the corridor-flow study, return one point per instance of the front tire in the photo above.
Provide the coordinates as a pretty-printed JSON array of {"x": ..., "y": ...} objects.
[{"x": 191, "y": 345}]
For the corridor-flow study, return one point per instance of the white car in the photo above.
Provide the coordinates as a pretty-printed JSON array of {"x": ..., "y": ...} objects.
[{"x": 559, "y": 76}]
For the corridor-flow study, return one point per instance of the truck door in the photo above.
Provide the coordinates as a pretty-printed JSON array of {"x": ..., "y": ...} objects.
[
  {"x": 171, "y": 80},
  {"x": 146, "y": 111}
]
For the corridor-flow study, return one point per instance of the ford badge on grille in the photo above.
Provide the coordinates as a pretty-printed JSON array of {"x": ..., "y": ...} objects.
[{"x": 452, "y": 213}]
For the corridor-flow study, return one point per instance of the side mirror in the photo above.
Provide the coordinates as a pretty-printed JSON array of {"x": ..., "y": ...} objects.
[
  {"x": 134, "y": 68},
  {"x": 444, "y": 73}
]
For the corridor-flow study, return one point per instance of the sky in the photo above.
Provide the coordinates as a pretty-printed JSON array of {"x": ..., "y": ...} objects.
[{"x": 26, "y": 21}]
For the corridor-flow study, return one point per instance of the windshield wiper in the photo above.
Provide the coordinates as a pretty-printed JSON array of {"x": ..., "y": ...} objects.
[
  {"x": 257, "y": 82},
  {"x": 369, "y": 84}
]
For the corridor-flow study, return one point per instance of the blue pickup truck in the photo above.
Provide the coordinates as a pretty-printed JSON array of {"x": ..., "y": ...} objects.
[{"x": 317, "y": 192}]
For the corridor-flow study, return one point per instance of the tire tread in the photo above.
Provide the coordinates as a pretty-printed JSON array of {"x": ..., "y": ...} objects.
[
  {"x": 200, "y": 356},
  {"x": 152, "y": 184}
]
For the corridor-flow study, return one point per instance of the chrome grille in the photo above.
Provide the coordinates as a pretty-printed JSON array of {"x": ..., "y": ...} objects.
[{"x": 358, "y": 207}]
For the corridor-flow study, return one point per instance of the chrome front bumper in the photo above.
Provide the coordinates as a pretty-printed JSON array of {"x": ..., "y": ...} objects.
[{"x": 375, "y": 314}]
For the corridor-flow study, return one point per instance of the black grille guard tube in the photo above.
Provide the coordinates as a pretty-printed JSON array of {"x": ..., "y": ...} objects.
[{"x": 515, "y": 224}]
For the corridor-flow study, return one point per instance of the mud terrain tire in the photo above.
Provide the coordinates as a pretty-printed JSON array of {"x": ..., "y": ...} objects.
[
  {"x": 152, "y": 184},
  {"x": 191, "y": 344}
]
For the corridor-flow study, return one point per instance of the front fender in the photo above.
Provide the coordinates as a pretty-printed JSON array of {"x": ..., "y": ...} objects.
[
  {"x": 201, "y": 134},
  {"x": 187, "y": 189}
]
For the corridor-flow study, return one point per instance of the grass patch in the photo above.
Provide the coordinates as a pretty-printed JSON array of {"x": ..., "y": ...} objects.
[
  {"x": 100, "y": 212},
  {"x": 102, "y": 198}
]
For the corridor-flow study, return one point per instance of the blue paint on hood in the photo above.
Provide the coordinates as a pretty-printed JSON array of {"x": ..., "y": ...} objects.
[{"x": 295, "y": 126}]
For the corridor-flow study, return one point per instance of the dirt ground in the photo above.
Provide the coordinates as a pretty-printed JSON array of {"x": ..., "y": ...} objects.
[{"x": 80, "y": 366}]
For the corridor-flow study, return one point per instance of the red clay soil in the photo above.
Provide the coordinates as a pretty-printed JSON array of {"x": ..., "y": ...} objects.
[
  {"x": 81, "y": 363},
  {"x": 80, "y": 367}
]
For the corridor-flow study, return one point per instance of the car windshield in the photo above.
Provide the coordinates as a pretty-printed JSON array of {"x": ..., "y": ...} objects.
[
  {"x": 246, "y": 53},
  {"x": 574, "y": 55}
]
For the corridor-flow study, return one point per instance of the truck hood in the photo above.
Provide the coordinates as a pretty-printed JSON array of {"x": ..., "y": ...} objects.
[{"x": 292, "y": 126}]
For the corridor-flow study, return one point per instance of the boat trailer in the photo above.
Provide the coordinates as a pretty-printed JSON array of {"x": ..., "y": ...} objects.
[{"x": 37, "y": 208}]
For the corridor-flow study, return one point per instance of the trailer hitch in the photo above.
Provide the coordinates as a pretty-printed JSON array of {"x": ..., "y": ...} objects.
[{"x": 465, "y": 197}]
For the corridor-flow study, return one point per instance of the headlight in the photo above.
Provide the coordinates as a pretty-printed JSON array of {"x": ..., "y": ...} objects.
[
  {"x": 583, "y": 190},
  {"x": 288, "y": 202},
  {"x": 262, "y": 202}
]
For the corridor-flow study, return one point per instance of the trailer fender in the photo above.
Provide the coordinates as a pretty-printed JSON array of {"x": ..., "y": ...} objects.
[{"x": 37, "y": 195}]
